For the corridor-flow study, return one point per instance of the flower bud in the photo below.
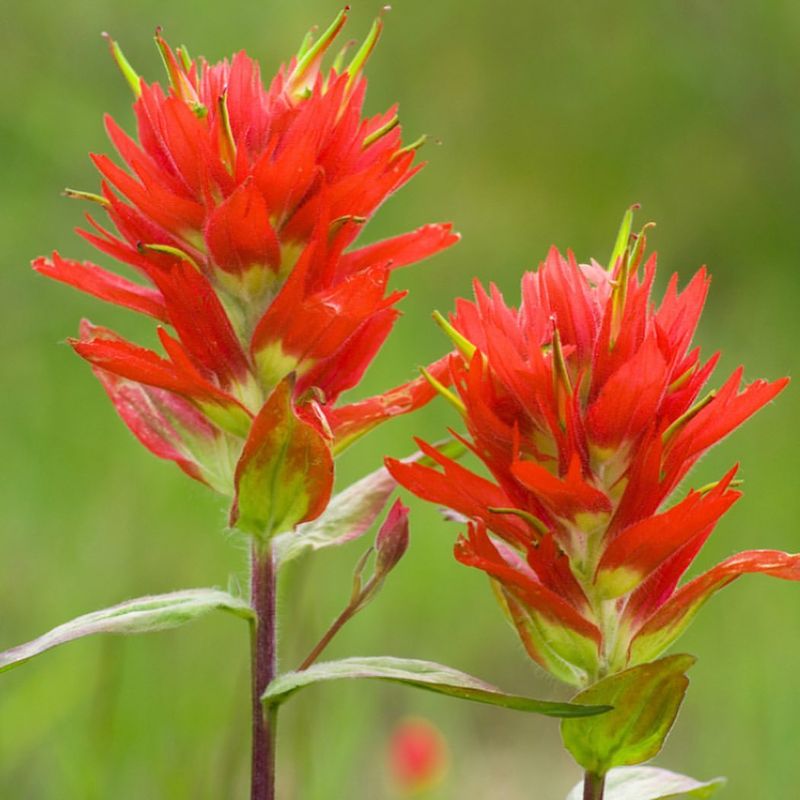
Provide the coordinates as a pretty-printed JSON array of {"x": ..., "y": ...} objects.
[{"x": 392, "y": 540}]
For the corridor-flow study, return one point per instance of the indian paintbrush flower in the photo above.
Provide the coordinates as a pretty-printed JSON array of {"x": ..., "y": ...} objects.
[
  {"x": 238, "y": 207},
  {"x": 586, "y": 407}
]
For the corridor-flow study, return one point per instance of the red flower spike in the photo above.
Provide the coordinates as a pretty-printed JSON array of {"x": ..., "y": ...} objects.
[
  {"x": 239, "y": 205},
  {"x": 584, "y": 406},
  {"x": 285, "y": 474}
]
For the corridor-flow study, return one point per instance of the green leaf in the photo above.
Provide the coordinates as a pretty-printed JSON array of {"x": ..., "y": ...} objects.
[
  {"x": 423, "y": 675},
  {"x": 651, "y": 783},
  {"x": 646, "y": 700},
  {"x": 351, "y": 512},
  {"x": 143, "y": 615},
  {"x": 285, "y": 473}
]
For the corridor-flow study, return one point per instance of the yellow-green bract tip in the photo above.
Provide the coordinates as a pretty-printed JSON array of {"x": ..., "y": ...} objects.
[
  {"x": 382, "y": 131},
  {"x": 622, "y": 237},
  {"x": 168, "y": 250},
  {"x": 462, "y": 344},
  {"x": 129, "y": 73},
  {"x": 687, "y": 416},
  {"x": 309, "y": 52},
  {"x": 360, "y": 58},
  {"x": 441, "y": 389},
  {"x": 76, "y": 194}
]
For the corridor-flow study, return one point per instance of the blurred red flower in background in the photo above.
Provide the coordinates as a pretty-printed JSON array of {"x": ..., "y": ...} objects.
[
  {"x": 238, "y": 208},
  {"x": 417, "y": 757},
  {"x": 583, "y": 405}
]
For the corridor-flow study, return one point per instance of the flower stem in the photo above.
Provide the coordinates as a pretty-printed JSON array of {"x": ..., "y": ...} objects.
[
  {"x": 263, "y": 670},
  {"x": 326, "y": 639},
  {"x": 593, "y": 786}
]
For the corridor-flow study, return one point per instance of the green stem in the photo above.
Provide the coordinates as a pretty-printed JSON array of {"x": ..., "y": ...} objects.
[
  {"x": 263, "y": 670},
  {"x": 593, "y": 786}
]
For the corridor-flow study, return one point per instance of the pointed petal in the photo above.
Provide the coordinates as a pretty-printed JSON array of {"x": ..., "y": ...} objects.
[
  {"x": 459, "y": 489},
  {"x": 726, "y": 412},
  {"x": 351, "y": 422},
  {"x": 170, "y": 210},
  {"x": 107, "y": 351},
  {"x": 402, "y": 250},
  {"x": 201, "y": 322},
  {"x": 319, "y": 327},
  {"x": 107, "y": 286},
  {"x": 663, "y": 627},
  {"x": 345, "y": 368},
  {"x": 640, "y": 549},
  {"x": 679, "y": 313},
  {"x": 629, "y": 399},
  {"x": 565, "y": 497},
  {"x": 239, "y": 234}
]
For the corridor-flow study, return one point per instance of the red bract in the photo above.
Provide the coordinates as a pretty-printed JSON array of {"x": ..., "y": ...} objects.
[
  {"x": 583, "y": 405},
  {"x": 238, "y": 206}
]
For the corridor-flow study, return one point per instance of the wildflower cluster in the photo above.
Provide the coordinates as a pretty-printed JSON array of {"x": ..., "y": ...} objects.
[
  {"x": 239, "y": 208},
  {"x": 585, "y": 406}
]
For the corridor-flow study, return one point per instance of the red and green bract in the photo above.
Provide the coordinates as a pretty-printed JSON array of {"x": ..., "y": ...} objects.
[
  {"x": 585, "y": 406},
  {"x": 238, "y": 206}
]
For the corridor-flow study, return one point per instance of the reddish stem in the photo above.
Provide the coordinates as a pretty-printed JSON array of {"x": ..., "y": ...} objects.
[
  {"x": 593, "y": 786},
  {"x": 326, "y": 639},
  {"x": 263, "y": 670}
]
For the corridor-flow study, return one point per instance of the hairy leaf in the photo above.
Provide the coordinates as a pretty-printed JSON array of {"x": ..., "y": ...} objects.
[
  {"x": 423, "y": 675},
  {"x": 143, "y": 615}
]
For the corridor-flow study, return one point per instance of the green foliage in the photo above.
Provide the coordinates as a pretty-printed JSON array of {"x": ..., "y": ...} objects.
[
  {"x": 422, "y": 675},
  {"x": 143, "y": 615},
  {"x": 646, "y": 700}
]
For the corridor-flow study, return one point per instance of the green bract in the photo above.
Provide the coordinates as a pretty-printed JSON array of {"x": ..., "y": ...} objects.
[
  {"x": 646, "y": 700},
  {"x": 285, "y": 474}
]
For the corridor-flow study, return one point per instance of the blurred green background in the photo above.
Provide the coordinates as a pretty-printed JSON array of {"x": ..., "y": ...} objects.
[{"x": 548, "y": 119}]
